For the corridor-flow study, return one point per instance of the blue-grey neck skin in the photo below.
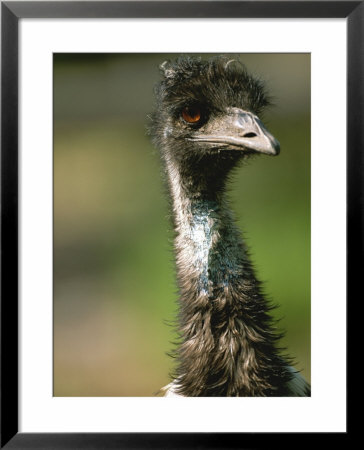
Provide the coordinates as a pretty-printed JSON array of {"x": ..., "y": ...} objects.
[
  {"x": 208, "y": 245},
  {"x": 200, "y": 234}
]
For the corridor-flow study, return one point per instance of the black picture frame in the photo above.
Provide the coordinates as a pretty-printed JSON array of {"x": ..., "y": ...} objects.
[{"x": 11, "y": 12}]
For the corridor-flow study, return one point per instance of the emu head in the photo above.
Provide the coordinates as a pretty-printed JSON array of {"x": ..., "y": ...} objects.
[{"x": 207, "y": 115}]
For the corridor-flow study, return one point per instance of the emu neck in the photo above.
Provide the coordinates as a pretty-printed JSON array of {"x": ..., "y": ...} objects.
[{"x": 227, "y": 343}]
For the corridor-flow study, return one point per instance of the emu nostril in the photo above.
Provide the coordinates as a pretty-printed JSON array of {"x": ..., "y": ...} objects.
[{"x": 250, "y": 135}]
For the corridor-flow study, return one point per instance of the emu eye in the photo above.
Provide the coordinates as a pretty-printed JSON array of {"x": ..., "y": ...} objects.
[{"x": 191, "y": 114}]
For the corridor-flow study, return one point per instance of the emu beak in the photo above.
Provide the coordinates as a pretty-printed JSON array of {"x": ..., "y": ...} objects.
[{"x": 241, "y": 130}]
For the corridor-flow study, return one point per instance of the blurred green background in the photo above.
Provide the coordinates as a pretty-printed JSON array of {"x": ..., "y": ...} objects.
[{"x": 114, "y": 282}]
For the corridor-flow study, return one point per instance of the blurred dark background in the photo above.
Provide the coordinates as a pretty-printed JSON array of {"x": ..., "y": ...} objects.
[{"x": 114, "y": 286}]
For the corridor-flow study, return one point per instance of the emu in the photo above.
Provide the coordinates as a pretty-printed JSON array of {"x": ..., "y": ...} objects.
[{"x": 206, "y": 122}]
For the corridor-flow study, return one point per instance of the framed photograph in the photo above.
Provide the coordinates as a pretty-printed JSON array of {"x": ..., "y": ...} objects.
[{"x": 136, "y": 146}]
